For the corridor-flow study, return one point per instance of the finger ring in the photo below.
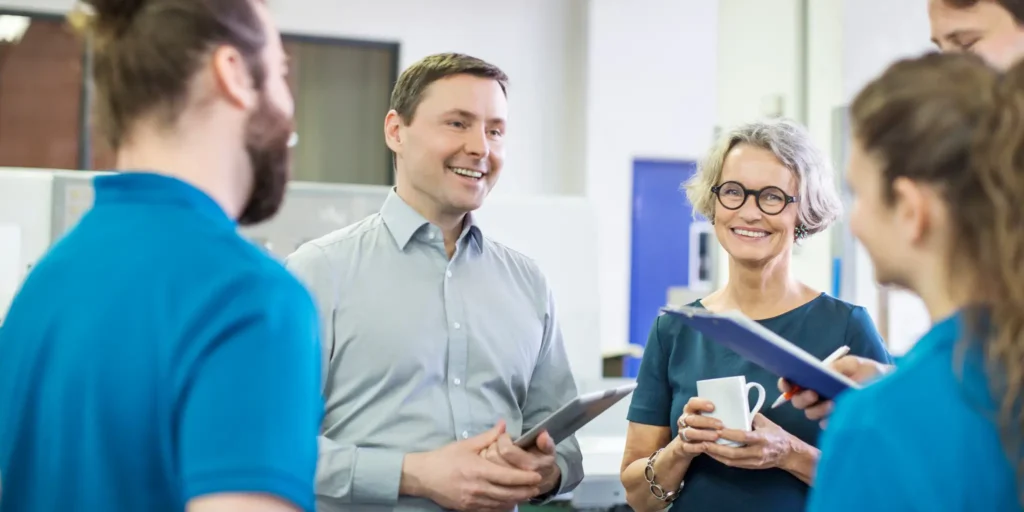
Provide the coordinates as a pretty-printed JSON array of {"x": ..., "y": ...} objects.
[
  {"x": 685, "y": 424},
  {"x": 682, "y": 435}
]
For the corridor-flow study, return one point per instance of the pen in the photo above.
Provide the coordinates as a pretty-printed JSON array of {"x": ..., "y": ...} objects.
[{"x": 840, "y": 352}]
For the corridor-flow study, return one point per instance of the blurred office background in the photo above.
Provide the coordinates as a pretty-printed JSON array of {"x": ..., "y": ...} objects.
[{"x": 611, "y": 103}]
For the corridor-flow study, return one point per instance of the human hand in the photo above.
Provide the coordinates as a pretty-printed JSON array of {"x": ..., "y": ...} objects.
[
  {"x": 696, "y": 430},
  {"x": 859, "y": 369},
  {"x": 767, "y": 446},
  {"x": 457, "y": 477},
  {"x": 539, "y": 459}
]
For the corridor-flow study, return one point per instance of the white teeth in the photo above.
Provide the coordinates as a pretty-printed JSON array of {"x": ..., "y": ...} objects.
[
  {"x": 467, "y": 172},
  {"x": 752, "y": 234}
]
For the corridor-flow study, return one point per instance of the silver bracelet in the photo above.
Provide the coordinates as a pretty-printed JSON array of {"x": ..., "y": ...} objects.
[{"x": 657, "y": 490}]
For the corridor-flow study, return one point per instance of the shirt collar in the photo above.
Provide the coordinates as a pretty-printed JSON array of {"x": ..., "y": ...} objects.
[
  {"x": 149, "y": 188},
  {"x": 405, "y": 223}
]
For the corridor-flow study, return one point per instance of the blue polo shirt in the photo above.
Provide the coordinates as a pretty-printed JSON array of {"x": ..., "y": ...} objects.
[
  {"x": 676, "y": 357},
  {"x": 922, "y": 438},
  {"x": 153, "y": 356}
]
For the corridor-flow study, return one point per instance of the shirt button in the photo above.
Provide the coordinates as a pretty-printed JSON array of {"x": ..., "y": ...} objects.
[
  {"x": 449, "y": 273},
  {"x": 457, "y": 325},
  {"x": 430, "y": 235},
  {"x": 457, "y": 381},
  {"x": 465, "y": 435}
]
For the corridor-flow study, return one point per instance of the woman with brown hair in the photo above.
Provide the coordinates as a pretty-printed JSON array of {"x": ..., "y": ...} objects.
[{"x": 937, "y": 168}]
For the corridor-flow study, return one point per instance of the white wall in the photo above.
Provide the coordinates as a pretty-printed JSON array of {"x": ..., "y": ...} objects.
[
  {"x": 594, "y": 83},
  {"x": 47, "y": 6},
  {"x": 759, "y": 69},
  {"x": 538, "y": 43},
  {"x": 875, "y": 34},
  {"x": 651, "y": 93},
  {"x": 849, "y": 42}
]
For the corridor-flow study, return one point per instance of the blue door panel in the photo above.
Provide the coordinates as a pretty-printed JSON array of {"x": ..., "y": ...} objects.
[{"x": 660, "y": 243}]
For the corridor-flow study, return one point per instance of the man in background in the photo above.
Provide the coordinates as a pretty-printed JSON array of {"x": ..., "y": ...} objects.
[
  {"x": 992, "y": 29},
  {"x": 154, "y": 360},
  {"x": 440, "y": 344}
]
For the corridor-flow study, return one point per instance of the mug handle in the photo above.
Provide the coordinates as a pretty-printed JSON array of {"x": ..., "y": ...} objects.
[{"x": 760, "y": 396}]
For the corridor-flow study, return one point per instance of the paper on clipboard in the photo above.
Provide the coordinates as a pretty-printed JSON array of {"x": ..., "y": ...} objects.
[
  {"x": 10, "y": 265},
  {"x": 763, "y": 347}
]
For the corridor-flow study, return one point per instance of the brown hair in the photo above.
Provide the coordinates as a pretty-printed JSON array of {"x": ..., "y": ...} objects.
[
  {"x": 147, "y": 52},
  {"x": 1015, "y": 7},
  {"x": 413, "y": 82},
  {"x": 953, "y": 122}
]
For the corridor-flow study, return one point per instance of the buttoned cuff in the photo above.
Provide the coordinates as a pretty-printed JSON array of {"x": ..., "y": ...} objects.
[
  {"x": 559, "y": 488},
  {"x": 377, "y": 476}
]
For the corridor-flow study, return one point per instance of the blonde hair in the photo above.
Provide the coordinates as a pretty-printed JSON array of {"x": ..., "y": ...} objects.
[{"x": 819, "y": 205}]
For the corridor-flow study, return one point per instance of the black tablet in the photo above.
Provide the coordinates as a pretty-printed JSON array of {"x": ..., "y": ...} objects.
[{"x": 574, "y": 415}]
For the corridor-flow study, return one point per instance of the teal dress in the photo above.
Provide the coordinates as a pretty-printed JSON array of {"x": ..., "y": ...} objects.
[
  {"x": 923, "y": 438},
  {"x": 676, "y": 357}
]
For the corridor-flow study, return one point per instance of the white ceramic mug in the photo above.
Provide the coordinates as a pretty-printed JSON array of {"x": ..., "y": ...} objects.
[{"x": 731, "y": 397}]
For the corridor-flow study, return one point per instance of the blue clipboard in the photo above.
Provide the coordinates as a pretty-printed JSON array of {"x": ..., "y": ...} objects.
[{"x": 763, "y": 347}]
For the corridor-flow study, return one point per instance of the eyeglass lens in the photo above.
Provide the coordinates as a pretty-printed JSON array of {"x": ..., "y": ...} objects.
[{"x": 770, "y": 200}]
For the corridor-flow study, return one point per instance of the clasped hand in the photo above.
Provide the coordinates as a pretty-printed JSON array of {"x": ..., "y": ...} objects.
[
  {"x": 767, "y": 445},
  {"x": 483, "y": 473},
  {"x": 539, "y": 459}
]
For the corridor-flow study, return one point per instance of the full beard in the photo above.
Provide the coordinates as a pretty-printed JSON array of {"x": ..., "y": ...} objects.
[{"x": 266, "y": 141}]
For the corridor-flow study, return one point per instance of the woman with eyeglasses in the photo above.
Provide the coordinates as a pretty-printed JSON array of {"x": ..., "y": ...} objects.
[{"x": 763, "y": 186}]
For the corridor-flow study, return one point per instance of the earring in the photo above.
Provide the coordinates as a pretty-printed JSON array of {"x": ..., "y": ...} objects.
[{"x": 800, "y": 232}]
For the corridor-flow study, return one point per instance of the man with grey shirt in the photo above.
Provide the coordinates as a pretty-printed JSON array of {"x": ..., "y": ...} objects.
[{"x": 440, "y": 345}]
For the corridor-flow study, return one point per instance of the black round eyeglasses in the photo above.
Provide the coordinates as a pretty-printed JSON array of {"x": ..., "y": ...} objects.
[{"x": 770, "y": 200}]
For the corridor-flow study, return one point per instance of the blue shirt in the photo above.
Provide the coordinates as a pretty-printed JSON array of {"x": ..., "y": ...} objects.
[
  {"x": 421, "y": 351},
  {"x": 676, "y": 357},
  {"x": 153, "y": 356},
  {"x": 921, "y": 439}
]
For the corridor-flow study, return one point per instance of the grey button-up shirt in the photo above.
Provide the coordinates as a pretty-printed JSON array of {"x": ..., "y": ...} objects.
[{"x": 420, "y": 351}]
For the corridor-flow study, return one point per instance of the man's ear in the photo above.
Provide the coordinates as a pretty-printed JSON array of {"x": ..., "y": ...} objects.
[
  {"x": 913, "y": 209},
  {"x": 393, "y": 131},
  {"x": 232, "y": 78}
]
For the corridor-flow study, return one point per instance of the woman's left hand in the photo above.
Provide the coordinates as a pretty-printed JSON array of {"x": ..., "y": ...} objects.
[{"x": 767, "y": 446}]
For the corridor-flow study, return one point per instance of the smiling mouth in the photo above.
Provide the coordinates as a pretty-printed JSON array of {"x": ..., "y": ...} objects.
[
  {"x": 750, "y": 233},
  {"x": 469, "y": 173}
]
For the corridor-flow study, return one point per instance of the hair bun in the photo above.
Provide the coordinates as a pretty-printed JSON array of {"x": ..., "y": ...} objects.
[{"x": 107, "y": 19}]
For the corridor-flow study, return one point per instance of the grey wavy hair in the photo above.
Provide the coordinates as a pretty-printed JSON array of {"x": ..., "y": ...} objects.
[{"x": 819, "y": 205}]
